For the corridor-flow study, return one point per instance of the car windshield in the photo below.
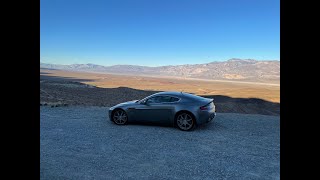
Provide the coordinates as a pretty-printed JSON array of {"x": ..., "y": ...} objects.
[{"x": 143, "y": 100}]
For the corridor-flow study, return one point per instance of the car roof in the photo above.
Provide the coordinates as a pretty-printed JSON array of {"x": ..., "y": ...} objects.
[
  {"x": 182, "y": 95},
  {"x": 179, "y": 94},
  {"x": 169, "y": 93}
]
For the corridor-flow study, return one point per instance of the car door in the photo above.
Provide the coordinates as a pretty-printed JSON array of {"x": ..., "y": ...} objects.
[
  {"x": 164, "y": 110},
  {"x": 154, "y": 110}
]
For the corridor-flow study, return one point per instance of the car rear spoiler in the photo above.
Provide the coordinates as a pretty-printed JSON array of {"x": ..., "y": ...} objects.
[{"x": 210, "y": 101}]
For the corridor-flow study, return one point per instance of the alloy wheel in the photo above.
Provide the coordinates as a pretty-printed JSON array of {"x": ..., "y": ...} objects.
[
  {"x": 185, "y": 121},
  {"x": 120, "y": 117}
]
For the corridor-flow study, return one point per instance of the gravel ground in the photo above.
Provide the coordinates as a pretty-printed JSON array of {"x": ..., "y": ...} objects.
[{"x": 81, "y": 143}]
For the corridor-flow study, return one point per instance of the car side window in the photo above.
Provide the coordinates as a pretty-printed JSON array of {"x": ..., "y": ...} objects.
[
  {"x": 154, "y": 99},
  {"x": 164, "y": 99},
  {"x": 174, "y": 99}
]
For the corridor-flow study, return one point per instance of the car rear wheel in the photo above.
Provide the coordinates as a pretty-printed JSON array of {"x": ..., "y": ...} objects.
[
  {"x": 120, "y": 117},
  {"x": 185, "y": 121}
]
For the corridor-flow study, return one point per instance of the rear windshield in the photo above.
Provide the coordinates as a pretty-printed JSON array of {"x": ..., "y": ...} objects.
[{"x": 192, "y": 96}]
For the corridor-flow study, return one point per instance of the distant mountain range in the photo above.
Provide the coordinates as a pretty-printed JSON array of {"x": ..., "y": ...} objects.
[{"x": 233, "y": 69}]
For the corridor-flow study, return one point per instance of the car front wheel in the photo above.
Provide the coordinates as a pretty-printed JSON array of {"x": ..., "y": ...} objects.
[{"x": 119, "y": 117}]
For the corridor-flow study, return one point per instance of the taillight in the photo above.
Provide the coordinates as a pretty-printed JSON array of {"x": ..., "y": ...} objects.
[
  {"x": 203, "y": 108},
  {"x": 207, "y": 106}
]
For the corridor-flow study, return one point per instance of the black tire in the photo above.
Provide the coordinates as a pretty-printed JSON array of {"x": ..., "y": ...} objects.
[
  {"x": 119, "y": 117},
  {"x": 185, "y": 121}
]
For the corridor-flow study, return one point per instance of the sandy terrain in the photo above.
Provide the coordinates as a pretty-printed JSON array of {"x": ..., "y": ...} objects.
[
  {"x": 268, "y": 92},
  {"x": 61, "y": 91}
]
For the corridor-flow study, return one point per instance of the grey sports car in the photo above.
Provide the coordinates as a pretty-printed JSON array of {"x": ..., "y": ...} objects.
[{"x": 180, "y": 109}]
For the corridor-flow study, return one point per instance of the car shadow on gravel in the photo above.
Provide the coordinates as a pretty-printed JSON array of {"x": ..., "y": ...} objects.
[
  {"x": 150, "y": 124},
  {"x": 210, "y": 126}
]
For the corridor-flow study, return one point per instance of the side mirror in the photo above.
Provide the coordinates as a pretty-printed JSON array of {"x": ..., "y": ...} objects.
[{"x": 145, "y": 102}]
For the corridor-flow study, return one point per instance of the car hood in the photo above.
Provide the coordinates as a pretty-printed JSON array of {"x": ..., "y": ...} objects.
[{"x": 126, "y": 103}]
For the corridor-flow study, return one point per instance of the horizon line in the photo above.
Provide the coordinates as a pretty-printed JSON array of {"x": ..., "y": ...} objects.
[{"x": 160, "y": 65}]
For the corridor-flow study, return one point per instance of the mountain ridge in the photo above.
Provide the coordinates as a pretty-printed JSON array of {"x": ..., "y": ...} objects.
[{"x": 232, "y": 69}]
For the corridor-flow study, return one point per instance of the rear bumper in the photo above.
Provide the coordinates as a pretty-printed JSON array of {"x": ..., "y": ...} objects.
[
  {"x": 212, "y": 116},
  {"x": 206, "y": 117}
]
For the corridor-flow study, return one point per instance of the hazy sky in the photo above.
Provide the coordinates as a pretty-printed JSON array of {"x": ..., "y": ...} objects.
[{"x": 158, "y": 32}]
